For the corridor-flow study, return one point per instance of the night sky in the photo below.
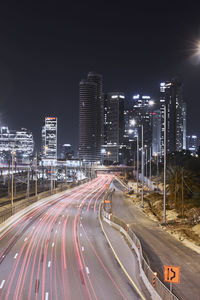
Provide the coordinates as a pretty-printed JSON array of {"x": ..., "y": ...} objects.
[{"x": 46, "y": 48}]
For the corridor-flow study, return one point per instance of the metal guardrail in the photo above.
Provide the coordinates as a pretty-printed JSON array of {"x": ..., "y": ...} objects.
[
  {"x": 8, "y": 212},
  {"x": 145, "y": 270}
]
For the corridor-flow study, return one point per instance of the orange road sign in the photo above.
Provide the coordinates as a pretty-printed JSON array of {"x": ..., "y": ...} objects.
[
  {"x": 106, "y": 201},
  {"x": 172, "y": 274},
  {"x": 106, "y": 186}
]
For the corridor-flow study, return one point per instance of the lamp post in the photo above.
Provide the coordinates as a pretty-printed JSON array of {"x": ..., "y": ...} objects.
[
  {"x": 36, "y": 174},
  {"x": 137, "y": 161},
  {"x": 12, "y": 179},
  {"x": 142, "y": 192},
  {"x": 150, "y": 164},
  {"x": 164, "y": 182}
]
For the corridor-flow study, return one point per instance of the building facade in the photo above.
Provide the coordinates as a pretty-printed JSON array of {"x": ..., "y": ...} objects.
[
  {"x": 156, "y": 133},
  {"x": 192, "y": 144},
  {"x": 113, "y": 131},
  {"x": 90, "y": 117},
  {"x": 19, "y": 141},
  {"x": 49, "y": 139},
  {"x": 139, "y": 114},
  {"x": 171, "y": 99}
]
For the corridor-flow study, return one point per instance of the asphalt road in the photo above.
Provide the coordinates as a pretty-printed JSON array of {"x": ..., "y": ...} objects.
[
  {"x": 159, "y": 247},
  {"x": 58, "y": 251}
]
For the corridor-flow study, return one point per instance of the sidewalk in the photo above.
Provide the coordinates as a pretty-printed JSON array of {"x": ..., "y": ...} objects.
[{"x": 127, "y": 257}]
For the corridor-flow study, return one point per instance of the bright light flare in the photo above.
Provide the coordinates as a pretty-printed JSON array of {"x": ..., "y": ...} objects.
[
  {"x": 132, "y": 122},
  {"x": 151, "y": 102},
  {"x": 195, "y": 57}
]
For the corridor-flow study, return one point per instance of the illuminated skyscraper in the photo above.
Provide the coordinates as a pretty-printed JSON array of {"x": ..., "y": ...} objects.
[
  {"x": 112, "y": 148},
  {"x": 90, "y": 117},
  {"x": 192, "y": 144},
  {"x": 19, "y": 141},
  {"x": 171, "y": 98},
  {"x": 49, "y": 139}
]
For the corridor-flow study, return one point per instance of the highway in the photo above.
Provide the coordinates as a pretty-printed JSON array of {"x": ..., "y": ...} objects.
[
  {"x": 58, "y": 251},
  {"x": 159, "y": 247}
]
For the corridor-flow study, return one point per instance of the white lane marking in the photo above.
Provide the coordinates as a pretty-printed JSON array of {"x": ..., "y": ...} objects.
[
  {"x": 81, "y": 218},
  {"x": 52, "y": 244},
  {"x": 81, "y": 225},
  {"x": 87, "y": 270},
  {"x": 59, "y": 223},
  {"x": 80, "y": 234},
  {"x": 2, "y": 284},
  {"x": 25, "y": 239},
  {"x": 3, "y": 256},
  {"x": 33, "y": 227},
  {"x": 49, "y": 264},
  {"x": 46, "y": 296},
  {"x": 56, "y": 231},
  {"x": 40, "y": 219},
  {"x": 82, "y": 249},
  {"x": 15, "y": 255}
]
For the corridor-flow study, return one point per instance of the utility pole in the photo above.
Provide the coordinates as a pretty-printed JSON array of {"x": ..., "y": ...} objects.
[
  {"x": 150, "y": 164},
  {"x": 12, "y": 177},
  {"x": 146, "y": 160},
  {"x": 66, "y": 172},
  {"x": 28, "y": 183},
  {"x": 164, "y": 183},
  {"x": 80, "y": 169},
  {"x": 36, "y": 174},
  {"x": 54, "y": 178},
  {"x": 182, "y": 206},
  {"x": 142, "y": 192},
  {"x": 137, "y": 161},
  {"x": 51, "y": 178}
]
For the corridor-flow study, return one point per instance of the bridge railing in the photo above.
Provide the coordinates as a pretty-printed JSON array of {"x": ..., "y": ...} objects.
[{"x": 155, "y": 286}]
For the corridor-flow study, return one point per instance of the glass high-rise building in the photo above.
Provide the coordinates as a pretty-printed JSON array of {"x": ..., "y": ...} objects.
[
  {"x": 156, "y": 132},
  {"x": 192, "y": 144},
  {"x": 90, "y": 117},
  {"x": 171, "y": 98},
  {"x": 49, "y": 139},
  {"x": 113, "y": 133}
]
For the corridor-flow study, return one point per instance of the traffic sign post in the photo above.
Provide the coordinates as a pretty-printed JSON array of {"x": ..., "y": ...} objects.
[{"x": 172, "y": 275}]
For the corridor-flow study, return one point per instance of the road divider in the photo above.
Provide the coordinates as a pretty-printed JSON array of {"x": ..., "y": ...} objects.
[{"x": 155, "y": 287}]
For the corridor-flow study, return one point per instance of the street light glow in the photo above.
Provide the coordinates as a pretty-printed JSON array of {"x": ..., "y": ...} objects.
[
  {"x": 132, "y": 122},
  {"x": 151, "y": 102}
]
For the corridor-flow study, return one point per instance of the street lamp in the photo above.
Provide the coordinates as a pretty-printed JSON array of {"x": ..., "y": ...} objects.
[
  {"x": 12, "y": 179},
  {"x": 142, "y": 194},
  {"x": 165, "y": 153}
]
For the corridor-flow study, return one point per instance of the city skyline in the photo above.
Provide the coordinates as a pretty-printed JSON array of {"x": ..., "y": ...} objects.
[{"x": 45, "y": 54}]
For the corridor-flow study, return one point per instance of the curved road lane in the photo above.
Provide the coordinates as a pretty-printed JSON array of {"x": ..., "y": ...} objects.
[{"x": 58, "y": 251}]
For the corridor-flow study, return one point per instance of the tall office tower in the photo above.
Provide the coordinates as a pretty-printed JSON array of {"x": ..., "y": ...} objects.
[
  {"x": 97, "y": 78},
  {"x": 90, "y": 117},
  {"x": 156, "y": 132},
  {"x": 192, "y": 144},
  {"x": 88, "y": 121},
  {"x": 49, "y": 139},
  {"x": 171, "y": 98},
  {"x": 184, "y": 112},
  {"x": 142, "y": 114},
  {"x": 112, "y": 148},
  {"x": 21, "y": 141}
]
